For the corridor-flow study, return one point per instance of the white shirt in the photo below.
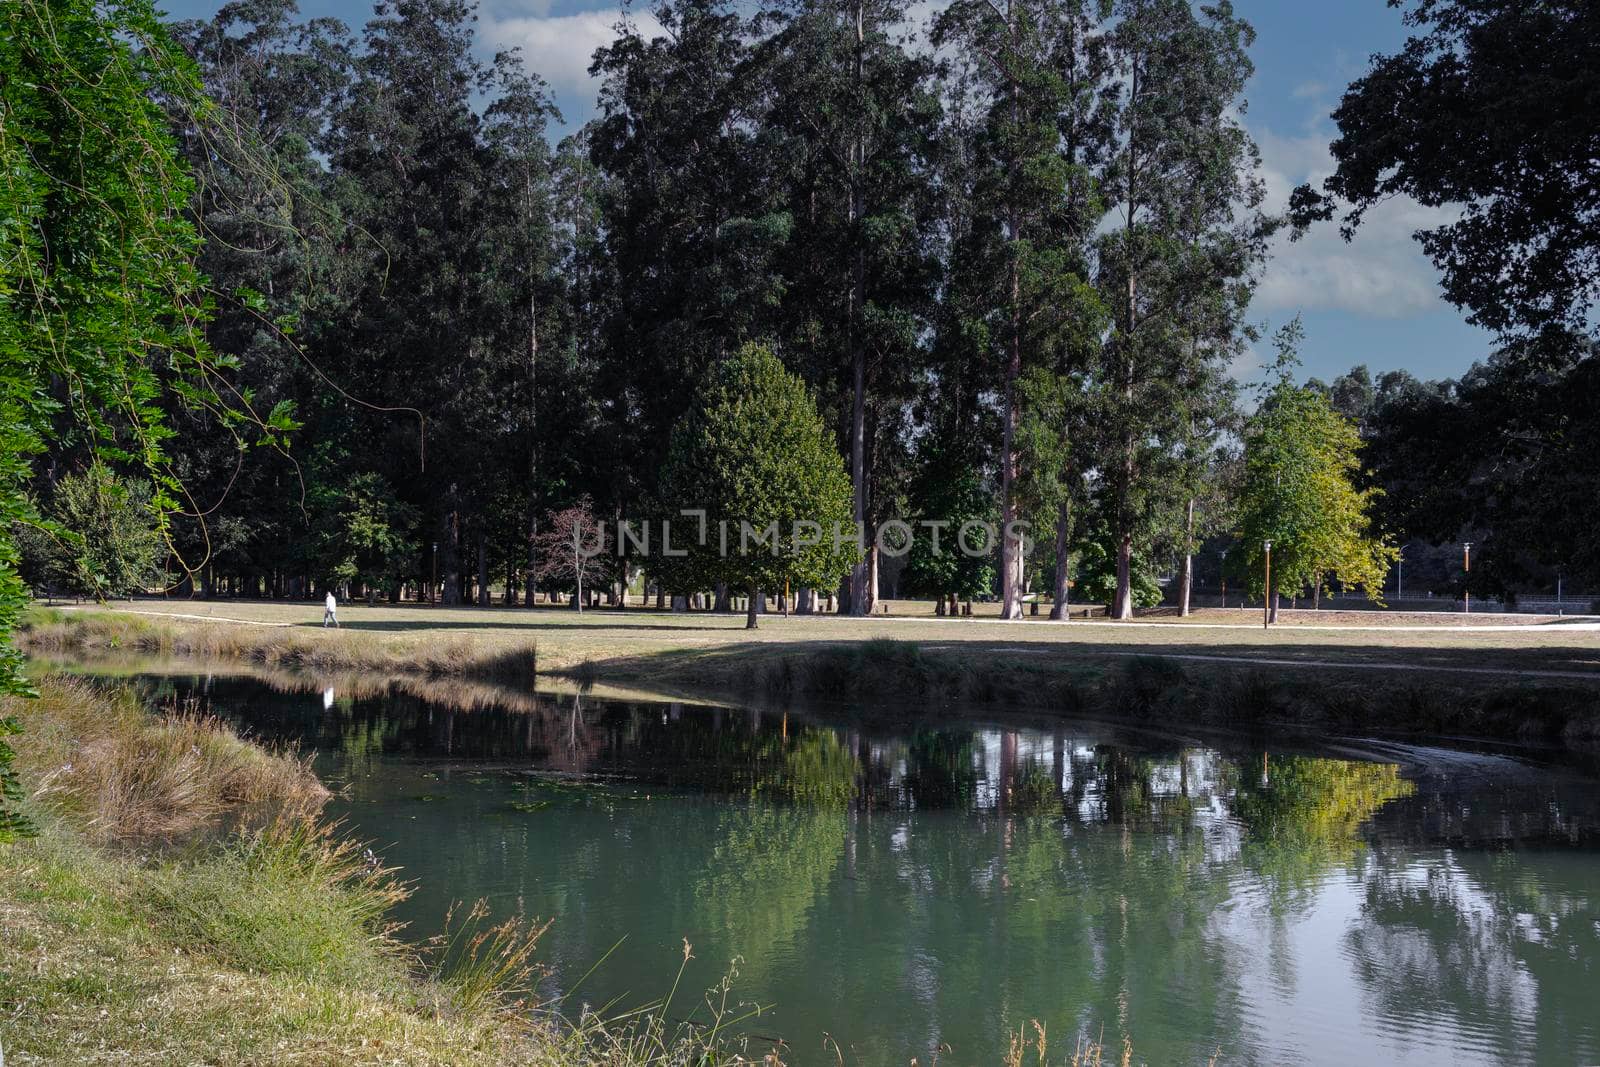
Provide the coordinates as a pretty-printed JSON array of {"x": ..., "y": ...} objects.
[{"x": 331, "y": 603}]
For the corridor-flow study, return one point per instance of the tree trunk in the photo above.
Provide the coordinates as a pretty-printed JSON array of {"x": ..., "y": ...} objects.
[
  {"x": 1059, "y": 606},
  {"x": 1186, "y": 577},
  {"x": 533, "y": 397},
  {"x": 720, "y": 603},
  {"x": 531, "y": 591},
  {"x": 807, "y": 598},
  {"x": 860, "y": 602},
  {"x": 873, "y": 563},
  {"x": 1124, "y": 598},
  {"x": 1123, "y": 608},
  {"x": 750, "y": 615},
  {"x": 451, "y": 594},
  {"x": 1274, "y": 612},
  {"x": 483, "y": 570},
  {"x": 1010, "y": 548}
]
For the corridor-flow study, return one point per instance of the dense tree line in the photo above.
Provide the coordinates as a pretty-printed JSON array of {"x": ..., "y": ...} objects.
[
  {"x": 1009, "y": 253},
  {"x": 995, "y": 257}
]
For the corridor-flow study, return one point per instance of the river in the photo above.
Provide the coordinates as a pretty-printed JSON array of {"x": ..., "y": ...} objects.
[{"x": 920, "y": 884}]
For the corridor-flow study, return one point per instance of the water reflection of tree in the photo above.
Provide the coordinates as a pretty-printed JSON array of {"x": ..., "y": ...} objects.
[
  {"x": 813, "y": 768},
  {"x": 940, "y": 769},
  {"x": 767, "y": 867},
  {"x": 1498, "y": 946},
  {"x": 1302, "y": 815},
  {"x": 1075, "y": 925}
]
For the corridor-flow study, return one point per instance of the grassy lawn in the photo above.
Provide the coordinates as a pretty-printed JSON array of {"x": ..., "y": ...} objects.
[
  {"x": 631, "y": 644},
  {"x": 1526, "y": 682}
]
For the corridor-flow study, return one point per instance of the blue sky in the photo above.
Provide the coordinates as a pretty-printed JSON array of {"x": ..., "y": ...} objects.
[{"x": 1373, "y": 301}]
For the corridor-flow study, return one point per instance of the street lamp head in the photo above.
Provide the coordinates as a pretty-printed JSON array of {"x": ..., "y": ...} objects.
[{"x": 1267, "y": 545}]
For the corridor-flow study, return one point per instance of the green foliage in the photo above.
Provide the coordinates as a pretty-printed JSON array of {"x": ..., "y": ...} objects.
[
  {"x": 1504, "y": 457},
  {"x": 364, "y": 532},
  {"x": 949, "y": 490},
  {"x": 754, "y": 451},
  {"x": 101, "y": 307},
  {"x": 1302, "y": 491},
  {"x": 12, "y": 823},
  {"x": 1096, "y": 580},
  {"x": 102, "y": 540},
  {"x": 689, "y": 229},
  {"x": 1485, "y": 107}
]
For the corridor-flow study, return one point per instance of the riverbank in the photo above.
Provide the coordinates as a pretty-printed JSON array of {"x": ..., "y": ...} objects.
[
  {"x": 1527, "y": 683},
  {"x": 184, "y": 903},
  {"x": 146, "y": 923}
]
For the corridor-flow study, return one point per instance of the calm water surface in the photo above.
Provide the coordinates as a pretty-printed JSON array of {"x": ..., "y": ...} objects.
[{"x": 914, "y": 889}]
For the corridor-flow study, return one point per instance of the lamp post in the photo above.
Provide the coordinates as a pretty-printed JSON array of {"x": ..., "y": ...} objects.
[
  {"x": 1400, "y": 580},
  {"x": 1266, "y": 592},
  {"x": 433, "y": 590},
  {"x": 1559, "y": 609},
  {"x": 1224, "y": 570},
  {"x": 1466, "y": 569}
]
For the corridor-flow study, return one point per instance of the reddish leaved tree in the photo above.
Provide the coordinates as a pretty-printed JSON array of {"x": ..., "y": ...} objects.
[{"x": 574, "y": 546}]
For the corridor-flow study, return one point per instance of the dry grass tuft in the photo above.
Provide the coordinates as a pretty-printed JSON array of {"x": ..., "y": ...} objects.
[
  {"x": 486, "y": 965},
  {"x": 121, "y": 772}
]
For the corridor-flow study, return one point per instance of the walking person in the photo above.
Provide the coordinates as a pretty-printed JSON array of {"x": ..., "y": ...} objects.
[{"x": 330, "y": 609}]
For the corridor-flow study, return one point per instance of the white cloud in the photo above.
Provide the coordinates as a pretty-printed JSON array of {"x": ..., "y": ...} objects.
[
  {"x": 559, "y": 48},
  {"x": 1381, "y": 274}
]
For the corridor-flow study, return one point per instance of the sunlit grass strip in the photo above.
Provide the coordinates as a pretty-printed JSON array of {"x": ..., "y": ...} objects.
[{"x": 449, "y": 655}]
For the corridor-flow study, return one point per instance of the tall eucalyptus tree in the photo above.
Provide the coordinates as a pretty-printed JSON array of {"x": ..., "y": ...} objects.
[
  {"x": 855, "y": 114},
  {"x": 1035, "y": 69},
  {"x": 527, "y": 289},
  {"x": 410, "y": 141},
  {"x": 1187, "y": 233},
  {"x": 687, "y": 228}
]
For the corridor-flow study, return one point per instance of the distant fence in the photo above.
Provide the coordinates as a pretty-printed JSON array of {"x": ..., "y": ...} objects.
[{"x": 1567, "y": 604}]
